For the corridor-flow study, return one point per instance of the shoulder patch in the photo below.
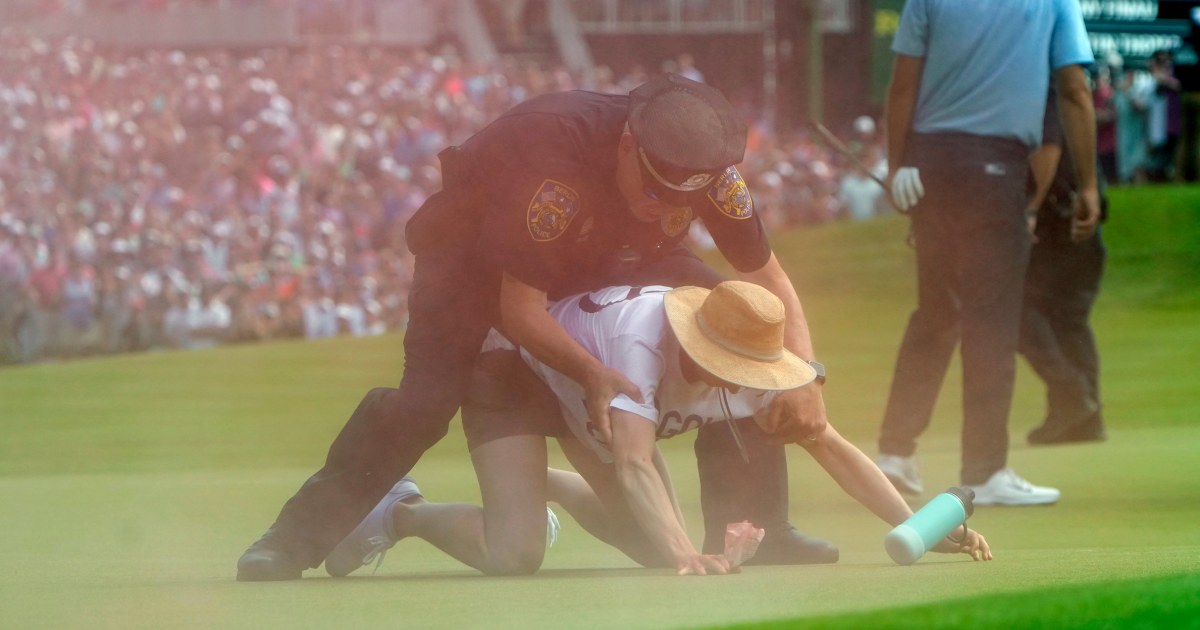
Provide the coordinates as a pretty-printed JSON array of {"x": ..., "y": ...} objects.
[
  {"x": 551, "y": 210},
  {"x": 730, "y": 195}
]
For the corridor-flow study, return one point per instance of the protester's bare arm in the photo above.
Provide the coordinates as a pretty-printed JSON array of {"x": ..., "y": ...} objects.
[
  {"x": 862, "y": 480},
  {"x": 857, "y": 475},
  {"x": 527, "y": 323},
  {"x": 799, "y": 412},
  {"x": 653, "y": 508},
  {"x": 661, "y": 465},
  {"x": 1079, "y": 131}
]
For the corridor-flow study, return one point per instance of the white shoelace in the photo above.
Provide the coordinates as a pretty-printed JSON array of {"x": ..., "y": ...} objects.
[
  {"x": 376, "y": 548},
  {"x": 1018, "y": 482},
  {"x": 552, "y": 527}
]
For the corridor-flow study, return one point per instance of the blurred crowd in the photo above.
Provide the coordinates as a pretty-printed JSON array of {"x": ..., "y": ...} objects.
[
  {"x": 1138, "y": 119},
  {"x": 157, "y": 199}
]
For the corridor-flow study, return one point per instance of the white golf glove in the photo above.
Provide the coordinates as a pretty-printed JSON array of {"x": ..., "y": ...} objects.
[{"x": 907, "y": 189}]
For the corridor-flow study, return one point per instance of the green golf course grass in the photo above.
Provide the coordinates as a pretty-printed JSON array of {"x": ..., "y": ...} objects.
[{"x": 131, "y": 484}]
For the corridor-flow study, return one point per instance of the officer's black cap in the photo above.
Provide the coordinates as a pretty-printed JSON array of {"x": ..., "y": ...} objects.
[{"x": 686, "y": 128}]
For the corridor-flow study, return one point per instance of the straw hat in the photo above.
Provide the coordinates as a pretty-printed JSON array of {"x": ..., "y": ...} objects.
[{"x": 735, "y": 332}]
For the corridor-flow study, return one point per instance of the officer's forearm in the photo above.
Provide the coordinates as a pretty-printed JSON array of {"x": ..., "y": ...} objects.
[
  {"x": 528, "y": 324},
  {"x": 772, "y": 277}
]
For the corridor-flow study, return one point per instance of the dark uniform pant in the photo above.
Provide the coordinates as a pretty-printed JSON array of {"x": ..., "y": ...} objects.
[
  {"x": 1060, "y": 288},
  {"x": 972, "y": 248},
  {"x": 453, "y": 303}
]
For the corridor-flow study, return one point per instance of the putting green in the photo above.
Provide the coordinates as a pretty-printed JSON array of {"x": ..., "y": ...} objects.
[{"x": 131, "y": 484}]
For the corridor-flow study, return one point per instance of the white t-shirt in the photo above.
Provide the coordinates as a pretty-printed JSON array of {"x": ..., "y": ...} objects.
[{"x": 626, "y": 329}]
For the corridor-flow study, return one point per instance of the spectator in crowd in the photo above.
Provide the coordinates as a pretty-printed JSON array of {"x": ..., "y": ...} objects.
[
  {"x": 1103, "y": 99},
  {"x": 260, "y": 177},
  {"x": 1131, "y": 100},
  {"x": 1165, "y": 118}
]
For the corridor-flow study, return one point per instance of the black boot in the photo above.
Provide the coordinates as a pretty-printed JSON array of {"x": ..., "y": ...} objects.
[
  {"x": 743, "y": 477},
  {"x": 268, "y": 560},
  {"x": 784, "y": 544},
  {"x": 1062, "y": 432}
]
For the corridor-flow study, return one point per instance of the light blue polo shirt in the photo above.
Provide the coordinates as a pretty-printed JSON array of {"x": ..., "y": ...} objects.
[{"x": 988, "y": 62}]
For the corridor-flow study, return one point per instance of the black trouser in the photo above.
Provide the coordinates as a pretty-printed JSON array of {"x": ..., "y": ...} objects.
[
  {"x": 972, "y": 247},
  {"x": 1061, "y": 286},
  {"x": 452, "y": 304},
  {"x": 451, "y": 307}
]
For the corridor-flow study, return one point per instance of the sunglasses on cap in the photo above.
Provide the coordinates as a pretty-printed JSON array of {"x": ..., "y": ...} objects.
[{"x": 658, "y": 183}]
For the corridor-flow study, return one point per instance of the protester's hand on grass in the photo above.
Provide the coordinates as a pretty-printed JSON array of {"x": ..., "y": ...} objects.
[
  {"x": 704, "y": 564},
  {"x": 974, "y": 544}
]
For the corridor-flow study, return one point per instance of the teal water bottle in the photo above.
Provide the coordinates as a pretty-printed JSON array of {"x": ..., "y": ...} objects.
[{"x": 912, "y": 538}]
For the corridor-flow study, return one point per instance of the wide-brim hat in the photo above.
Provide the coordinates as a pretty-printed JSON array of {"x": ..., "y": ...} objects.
[{"x": 735, "y": 332}]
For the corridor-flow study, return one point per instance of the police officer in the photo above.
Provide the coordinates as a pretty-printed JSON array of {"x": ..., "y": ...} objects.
[
  {"x": 1060, "y": 288},
  {"x": 564, "y": 193}
]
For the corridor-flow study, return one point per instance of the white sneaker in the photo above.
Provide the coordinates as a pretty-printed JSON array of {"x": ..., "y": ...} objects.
[
  {"x": 372, "y": 538},
  {"x": 1006, "y": 487},
  {"x": 902, "y": 472}
]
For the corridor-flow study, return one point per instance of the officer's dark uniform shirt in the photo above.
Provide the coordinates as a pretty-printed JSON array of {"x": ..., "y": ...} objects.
[{"x": 544, "y": 174}]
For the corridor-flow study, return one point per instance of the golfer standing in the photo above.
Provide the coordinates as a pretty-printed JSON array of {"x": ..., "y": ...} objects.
[{"x": 964, "y": 112}]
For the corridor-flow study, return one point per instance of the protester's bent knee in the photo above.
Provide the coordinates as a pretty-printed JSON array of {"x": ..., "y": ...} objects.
[{"x": 517, "y": 561}]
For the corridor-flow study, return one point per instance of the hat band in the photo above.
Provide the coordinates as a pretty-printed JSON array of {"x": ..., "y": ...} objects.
[
  {"x": 735, "y": 348},
  {"x": 695, "y": 182}
]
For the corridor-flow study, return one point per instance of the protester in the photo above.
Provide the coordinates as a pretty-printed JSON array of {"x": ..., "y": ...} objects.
[{"x": 698, "y": 357}]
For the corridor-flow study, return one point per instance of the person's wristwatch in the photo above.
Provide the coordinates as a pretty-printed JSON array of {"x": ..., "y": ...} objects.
[{"x": 820, "y": 369}]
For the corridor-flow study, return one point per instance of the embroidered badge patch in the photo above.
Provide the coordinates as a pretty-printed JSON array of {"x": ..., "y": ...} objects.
[
  {"x": 730, "y": 195},
  {"x": 551, "y": 210},
  {"x": 677, "y": 221}
]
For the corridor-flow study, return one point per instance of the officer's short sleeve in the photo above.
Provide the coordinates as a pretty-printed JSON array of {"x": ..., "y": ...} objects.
[{"x": 728, "y": 213}]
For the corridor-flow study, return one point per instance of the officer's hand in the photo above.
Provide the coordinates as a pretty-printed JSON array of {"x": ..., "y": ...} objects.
[
  {"x": 795, "y": 415},
  {"x": 601, "y": 386},
  {"x": 1087, "y": 215},
  {"x": 907, "y": 188}
]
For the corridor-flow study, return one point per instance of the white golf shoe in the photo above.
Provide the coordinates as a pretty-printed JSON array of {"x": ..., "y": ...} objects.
[
  {"x": 1006, "y": 487},
  {"x": 370, "y": 541},
  {"x": 902, "y": 472}
]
